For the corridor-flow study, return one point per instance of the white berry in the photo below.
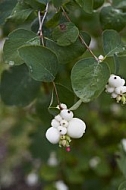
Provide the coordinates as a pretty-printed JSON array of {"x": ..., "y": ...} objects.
[
  {"x": 120, "y": 90},
  {"x": 109, "y": 89},
  {"x": 53, "y": 135},
  {"x": 55, "y": 123},
  {"x": 114, "y": 95},
  {"x": 66, "y": 114},
  {"x": 76, "y": 128},
  {"x": 63, "y": 106},
  {"x": 62, "y": 130},
  {"x": 64, "y": 123},
  {"x": 116, "y": 81},
  {"x": 58, "y": 117}
]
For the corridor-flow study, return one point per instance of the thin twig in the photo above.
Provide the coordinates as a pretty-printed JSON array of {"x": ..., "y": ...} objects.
[
  {"x": 41, "y": 21},
  {"x": 57, "y": 97},
  {"x": 81, "y": 38}
]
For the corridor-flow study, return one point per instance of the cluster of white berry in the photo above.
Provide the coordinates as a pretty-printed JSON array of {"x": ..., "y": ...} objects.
[
  {"x": 116, "y": 87},
  {"x": 64, "y": 127}
]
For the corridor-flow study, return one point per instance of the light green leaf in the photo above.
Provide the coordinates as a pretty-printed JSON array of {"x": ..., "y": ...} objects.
[
  {"x": 42, "y": 62},
  {"x": 15, "y": 40},
  {"x": 69, "y": 53},
  {"x": 112, "y": 43},
  {"x": 87, "y": 6},
  {"x": 65, "y": 34},
  {"x": 89, "y": 78},
  {"x": 17, "y": 87}
]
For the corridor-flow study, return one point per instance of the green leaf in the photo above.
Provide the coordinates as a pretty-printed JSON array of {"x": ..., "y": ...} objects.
[
  {"x": 121, "y": 161},
  {"x": 43, "y": 1},
  {"x": 69, "y": 53},
  {"x": 112, "y": 43},
  {"x": 89, "y": 78},
  {"x": 117, "y": 64},
  {"x": 65, "y": 34},
  {"x": 58, "y": 3},
  {"x": 111, "y": 18},
  {"x": 87, "y": 6},
  {"x": 54, "y": 21},
  {"x": 17, "y": 87},
  {"x": 97, "y": 3},
  {"x": 6, "y": 7},
  {"x": 36, "y": 5},
  {"x": 15, "y": 40},
  {"x": 21, "y": 12},
  {"x": 42, "y": 62}
]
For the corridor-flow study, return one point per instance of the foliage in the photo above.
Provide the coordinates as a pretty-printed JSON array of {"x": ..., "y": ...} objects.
[{"x": 48, "y": 59}]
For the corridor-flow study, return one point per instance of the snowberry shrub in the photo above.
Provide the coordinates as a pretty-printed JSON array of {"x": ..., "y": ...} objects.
[{"x": 54, "y": 42}]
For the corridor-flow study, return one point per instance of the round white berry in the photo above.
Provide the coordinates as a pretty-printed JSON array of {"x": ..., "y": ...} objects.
[
  {"x": 55, "y": 123},
  {"x": 62, "y": 130},
  {"x": 120, "y": 90},
  {"x": 66, "y": 114},
  {"x": 53, "y": 135},
  {"x": 116, "y": 81},
  {"x": 109, "y": 89},
  {"x": 114, "y": 95},
  {"x": 58, "y": 117},
  {"x": 63, "y": 106},
  {"x": 64, "y": 123},
  {"x": 76, "y": 128}
]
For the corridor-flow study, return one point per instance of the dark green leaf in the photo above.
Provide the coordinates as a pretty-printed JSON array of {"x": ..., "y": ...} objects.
[
  {"x": 87, "y": 6},
  {"x": 69, "y": 53},
  {"x": 89, "y": 78},
  {"x": 43, "y": 1},
  {"x": 17, "y": 87},
  {"x": 111, "y": 18},
  {"x": 54, "y": 21},
  {"x": 36, "y": 5},
  {"x": 65, "y": 34},
  {"x": 97, "y": 3},
  {"x": 112, "y": 42},
  {"x": 15, "y": 40},
  {"x": 117, "y": 64},
  {"x": 6, "y": 7},
  {"x": 21, "y": 12},
  {"x": 42, "y": 62}
]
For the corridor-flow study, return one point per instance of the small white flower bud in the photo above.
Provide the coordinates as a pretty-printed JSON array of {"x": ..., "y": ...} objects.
[
  {"x": 66, "y": 114},
  {"x": 53, "y": 135},
  {"x": 76, "y": 128},
  {"x": 100, "y": 58},
  {"x": 62, "y": 130},
  {"x": 55, "y": 123}
]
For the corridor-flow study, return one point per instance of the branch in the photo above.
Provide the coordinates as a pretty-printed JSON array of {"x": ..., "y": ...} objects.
[
  {"x": 81, "y": 38},
  {"x": 41, "y": 22}
]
